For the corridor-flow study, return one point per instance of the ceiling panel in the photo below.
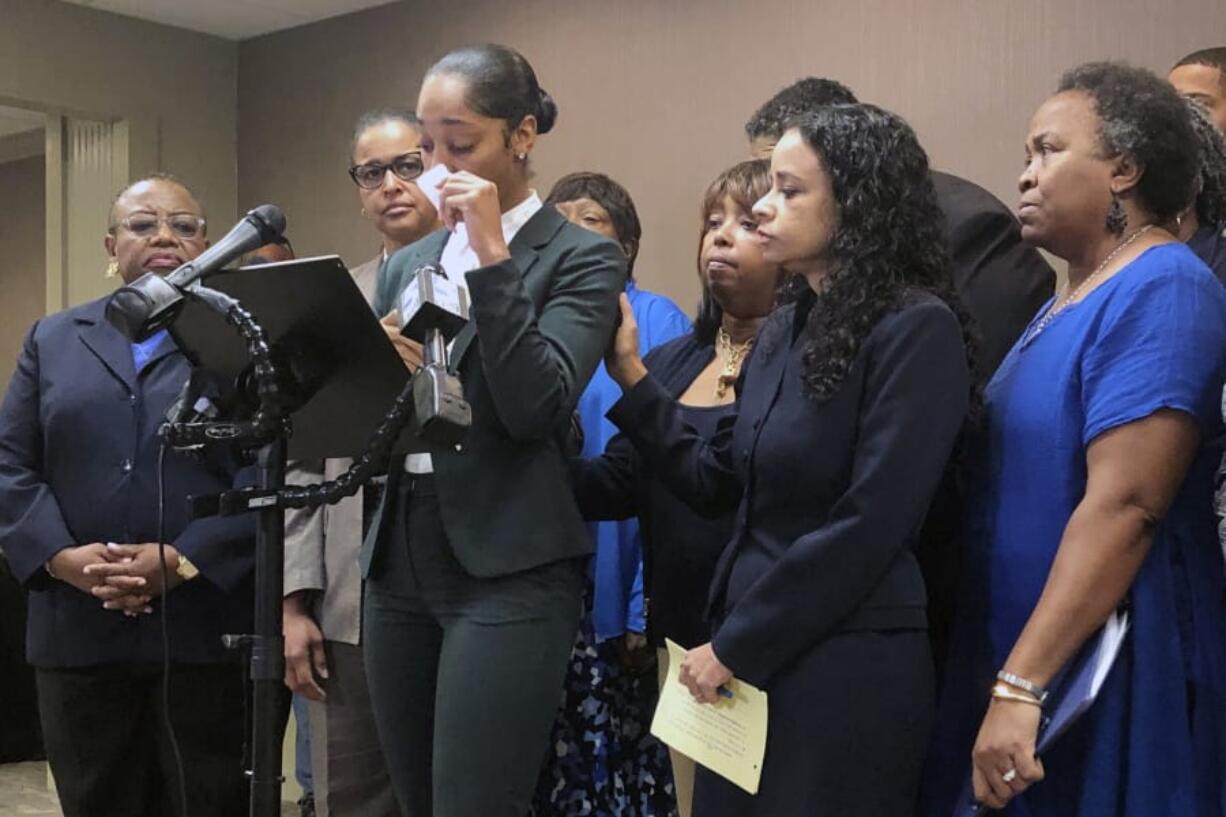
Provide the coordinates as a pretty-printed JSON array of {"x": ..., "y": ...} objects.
[{"x": 233, "y": 19}]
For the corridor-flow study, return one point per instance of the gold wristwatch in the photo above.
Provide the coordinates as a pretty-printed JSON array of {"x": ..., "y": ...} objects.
[{"x": 185, "y": 570}]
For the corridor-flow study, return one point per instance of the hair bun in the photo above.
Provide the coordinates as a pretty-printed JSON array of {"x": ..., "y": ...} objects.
[{"x": 546, "y": 112}]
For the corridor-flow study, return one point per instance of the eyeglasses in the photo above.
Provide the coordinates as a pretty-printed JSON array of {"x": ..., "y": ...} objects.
[
  {"x": 370, "y": 176},
  {"x": 147, "y": 225}
]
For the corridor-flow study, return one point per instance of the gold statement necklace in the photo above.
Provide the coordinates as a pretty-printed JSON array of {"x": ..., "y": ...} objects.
[{"x": 733, "y": 354}]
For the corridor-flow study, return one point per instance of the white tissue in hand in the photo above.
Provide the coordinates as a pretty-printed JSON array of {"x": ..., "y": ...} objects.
[{"x": 428, "y": 183}]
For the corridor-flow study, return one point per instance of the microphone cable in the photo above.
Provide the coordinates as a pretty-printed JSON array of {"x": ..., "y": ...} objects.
[{"x": 170, "y": 729}]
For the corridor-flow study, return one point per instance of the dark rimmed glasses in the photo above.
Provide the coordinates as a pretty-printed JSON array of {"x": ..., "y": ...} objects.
[{"x": 370, "y": 176}]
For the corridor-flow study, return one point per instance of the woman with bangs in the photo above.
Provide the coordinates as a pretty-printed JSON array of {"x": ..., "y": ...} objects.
[{"x": 680, "y": 547}]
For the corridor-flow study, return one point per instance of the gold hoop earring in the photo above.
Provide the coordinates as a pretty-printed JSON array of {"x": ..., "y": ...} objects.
[{"x": 112, "y": 269}]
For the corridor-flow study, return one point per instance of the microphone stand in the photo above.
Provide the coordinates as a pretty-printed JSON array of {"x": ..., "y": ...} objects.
[
  {"x": 267, "y": 644},
  {"x": 268, "y": 430}
]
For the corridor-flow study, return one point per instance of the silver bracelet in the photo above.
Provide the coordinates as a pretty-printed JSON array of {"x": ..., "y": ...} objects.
[{"x": 1021, "y": 683}]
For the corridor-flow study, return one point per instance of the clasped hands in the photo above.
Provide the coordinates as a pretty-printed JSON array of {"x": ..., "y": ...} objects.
[{"x": 124, "y": 577}]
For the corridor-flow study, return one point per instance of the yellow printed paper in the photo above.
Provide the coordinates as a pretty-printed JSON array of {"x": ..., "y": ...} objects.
[{"x": 728, "y": 737}]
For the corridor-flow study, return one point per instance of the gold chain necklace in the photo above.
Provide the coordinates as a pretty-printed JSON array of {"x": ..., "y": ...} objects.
[
  {"x": 1064, "y": 300},
  {"x": 733, "y": 354}
]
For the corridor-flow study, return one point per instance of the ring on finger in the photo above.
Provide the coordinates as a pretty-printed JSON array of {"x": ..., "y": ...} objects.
[{"x": 1009, "y": 776}]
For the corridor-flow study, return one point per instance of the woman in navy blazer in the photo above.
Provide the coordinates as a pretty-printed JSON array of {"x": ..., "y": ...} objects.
[
  {"x": 78, "y": 522},
  {"x": 849, "y": 408}
]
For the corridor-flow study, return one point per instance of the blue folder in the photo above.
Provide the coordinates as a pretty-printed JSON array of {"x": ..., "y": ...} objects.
[{"x": 1075, "y": 690}]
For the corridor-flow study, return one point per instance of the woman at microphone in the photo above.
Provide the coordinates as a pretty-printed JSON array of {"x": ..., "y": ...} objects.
[
  {"x": 475, "y": 565},
  {"x": 79, "y": 521}
]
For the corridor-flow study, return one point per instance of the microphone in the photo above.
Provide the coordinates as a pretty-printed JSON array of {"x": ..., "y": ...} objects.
[
  {"x": 433, "y": 309},
  {"x": 151, "y": 303}
]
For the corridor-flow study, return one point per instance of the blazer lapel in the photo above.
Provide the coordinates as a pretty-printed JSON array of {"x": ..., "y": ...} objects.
[
  {"x": 525, "y": 250},
  {"x": 112, "y": 349}
]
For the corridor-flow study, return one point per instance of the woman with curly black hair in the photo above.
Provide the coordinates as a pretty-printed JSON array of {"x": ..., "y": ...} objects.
[
  {"x": 1095, "y": 490},
  {"x": 1202, "y": 226},
  {"x": 848, "y": 409}
]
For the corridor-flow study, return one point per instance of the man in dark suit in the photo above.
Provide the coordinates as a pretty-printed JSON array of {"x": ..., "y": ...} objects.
[
  {"x": 1001, "y": 280},
  {"x": 80, "y": 515}
]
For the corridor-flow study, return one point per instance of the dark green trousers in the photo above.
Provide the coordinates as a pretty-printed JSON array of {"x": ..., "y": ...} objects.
[{"x": 465, "y": 674}]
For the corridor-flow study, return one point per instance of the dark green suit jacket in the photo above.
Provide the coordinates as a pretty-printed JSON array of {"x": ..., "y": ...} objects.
[{"x": 540, "y": 323}]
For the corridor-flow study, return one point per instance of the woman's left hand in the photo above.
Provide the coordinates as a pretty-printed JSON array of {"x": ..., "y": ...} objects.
[
  {"x": 473, "y": 200},
  {"x": 703, "y": 674},
  {"x": 1003, "y": 762}
]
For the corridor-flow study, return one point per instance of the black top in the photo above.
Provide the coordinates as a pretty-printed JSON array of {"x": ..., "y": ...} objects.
[
  {"x": 680, "y": 547},
  {"x": 830, "y": 495},
  {"x": 1209, "y": 244}
]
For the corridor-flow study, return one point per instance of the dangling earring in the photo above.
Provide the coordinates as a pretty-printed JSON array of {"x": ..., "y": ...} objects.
[
  {"x": 112, "y": 269},
  {"x": 1117, "y": 219},
  {"x": 363, "y": 212}
]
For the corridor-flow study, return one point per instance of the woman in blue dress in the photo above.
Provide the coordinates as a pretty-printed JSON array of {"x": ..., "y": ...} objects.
[
  {"x": 602, "y": 759},
  {"x": 1096, "y": 485}
]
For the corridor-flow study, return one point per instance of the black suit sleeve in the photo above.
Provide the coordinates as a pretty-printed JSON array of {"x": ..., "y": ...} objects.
[
  {"x": 220, "y": 546},
  {"x": 915, "y": 399},
  {"x": 32, "y": 526},
  {"x": 1002, "y": 280},
  {"x": 608, "y": 486},
  {"x": 537, "y": 365},
  {"x": 605, "y": 486},
  {"x": 700, "y": 471}
]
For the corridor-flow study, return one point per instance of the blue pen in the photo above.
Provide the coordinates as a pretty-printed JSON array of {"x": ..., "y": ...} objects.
[{"x": 724, "y": 692}]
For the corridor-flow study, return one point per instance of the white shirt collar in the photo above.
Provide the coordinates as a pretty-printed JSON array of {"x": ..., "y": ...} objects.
[
  {"x": 459, "y": 257},
  {"x": 515, "y": 218}
]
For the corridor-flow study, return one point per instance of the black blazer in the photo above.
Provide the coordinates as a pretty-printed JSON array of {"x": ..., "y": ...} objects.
[
  {"x": 1002, "y": 280},
  {"x": 830, "y": 496},
  {"x": 78, "y": 464},
  {"x": 680, "y": 547},
  {"x": 539, "y": 325}
]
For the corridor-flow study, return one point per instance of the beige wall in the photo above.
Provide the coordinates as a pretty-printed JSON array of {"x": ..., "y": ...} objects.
[
  {"x": 177, "y": 88},
  {"x": 655, "y": 91},
  {"x": 21, "y": 255}
]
